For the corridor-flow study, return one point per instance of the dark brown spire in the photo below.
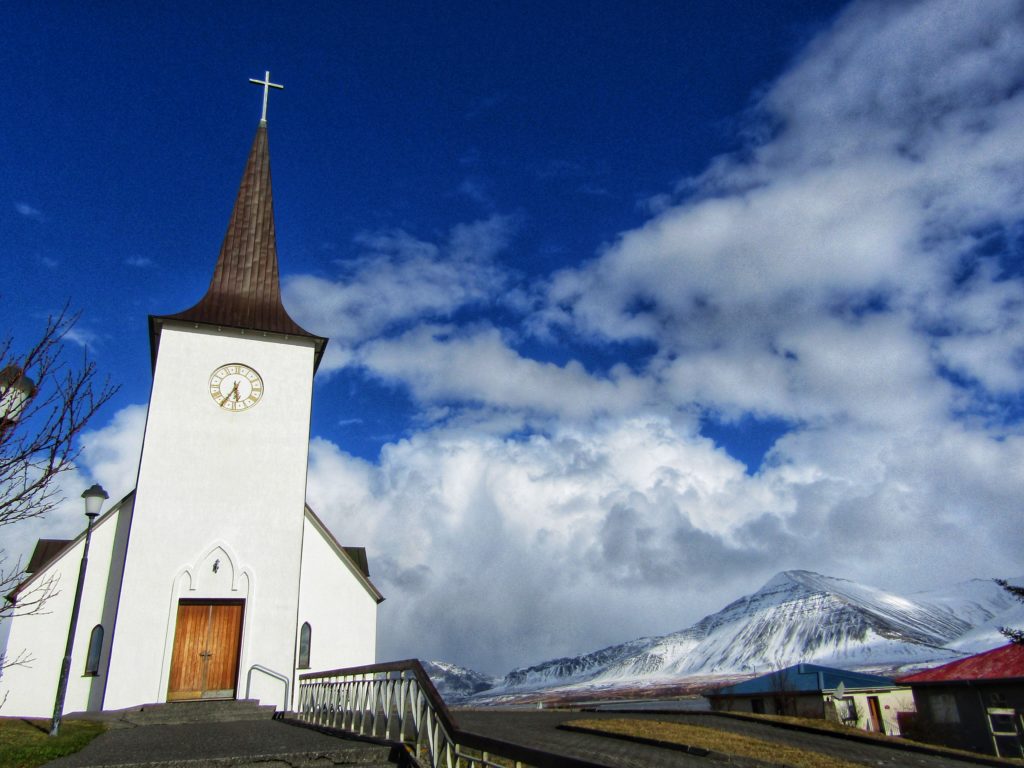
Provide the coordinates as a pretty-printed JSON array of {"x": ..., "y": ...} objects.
[{"x": 245, "y": 291}]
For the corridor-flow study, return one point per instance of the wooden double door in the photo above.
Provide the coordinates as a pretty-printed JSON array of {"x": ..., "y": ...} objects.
[{"x": 207, "y": 641}]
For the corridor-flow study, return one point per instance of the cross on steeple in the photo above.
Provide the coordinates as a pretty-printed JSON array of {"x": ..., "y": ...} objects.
[{"x": 267, "y": 85}]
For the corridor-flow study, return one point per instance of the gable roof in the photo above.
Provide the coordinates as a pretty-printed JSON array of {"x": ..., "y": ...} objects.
[
  {"x": 353, "y": 557},
  {"x": 358, "y": 556},
  {"x": 803, "y": 678},
  {"x": 998, "y": 664},
  {"x": 45, "y": 551},
  {"x": 51, "y": 553},
  {"x": 245, "y": 291}
]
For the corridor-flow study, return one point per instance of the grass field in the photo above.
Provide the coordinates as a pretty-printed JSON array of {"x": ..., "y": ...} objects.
[
  {"x": 723, "y": 742},
  {"x": 26, "y": 743}
]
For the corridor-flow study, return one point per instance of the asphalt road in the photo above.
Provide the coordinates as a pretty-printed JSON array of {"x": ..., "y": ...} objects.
[{"x": 539, "y": 728}]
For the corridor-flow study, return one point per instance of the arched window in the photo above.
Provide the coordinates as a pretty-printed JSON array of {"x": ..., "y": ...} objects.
[
  {"x": 305, "y": 636},
  {"x": 92, "y": 659}
]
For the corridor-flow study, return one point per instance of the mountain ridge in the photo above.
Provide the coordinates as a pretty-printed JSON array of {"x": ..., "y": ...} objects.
[{"x": 795, "y": 616}]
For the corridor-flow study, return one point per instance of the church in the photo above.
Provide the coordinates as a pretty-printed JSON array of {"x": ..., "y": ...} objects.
[{"x": 212, "y": 579}]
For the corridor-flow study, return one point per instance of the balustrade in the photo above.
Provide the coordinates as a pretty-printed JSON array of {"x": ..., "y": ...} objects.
[{"x": 397, "y": 702}]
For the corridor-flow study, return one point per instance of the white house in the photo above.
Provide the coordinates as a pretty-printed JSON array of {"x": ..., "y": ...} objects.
[{"x": 213, "y": 578}]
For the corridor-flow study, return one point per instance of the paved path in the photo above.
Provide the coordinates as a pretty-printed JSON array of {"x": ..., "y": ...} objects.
[
  {"x": 539, "y": 729},
  {"x": 264, "y": 743}
]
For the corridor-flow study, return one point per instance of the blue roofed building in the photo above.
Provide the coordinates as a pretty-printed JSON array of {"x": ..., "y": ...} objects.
[{"x": 856, "y": 699}]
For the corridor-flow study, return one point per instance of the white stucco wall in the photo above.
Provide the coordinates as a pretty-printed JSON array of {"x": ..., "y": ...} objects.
[
  {"x": 213, "y": 479},
  {"x": 341, "y": 611},
  {"x": 892, "y": 702},
  {"x": 30, "y": 689}
]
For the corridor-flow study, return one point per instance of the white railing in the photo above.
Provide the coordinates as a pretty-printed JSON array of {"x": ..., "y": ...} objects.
[
  {"x": 286, "y": 702},
  {"x": 397, "y": 702}
]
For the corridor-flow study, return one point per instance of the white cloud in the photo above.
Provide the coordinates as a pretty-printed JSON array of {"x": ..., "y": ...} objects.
[
  {"x": 505, "y": 538},
  {"x": 475, "y": 365},
  {"x": 110, "y": 457},
  {"x": 832, "y": 274},
  {"x": 83, "y": 337},
  {"x": 28, "y": 211},
  {"x": 399, "y": 279},
  {"x": 112, "y": 452}
]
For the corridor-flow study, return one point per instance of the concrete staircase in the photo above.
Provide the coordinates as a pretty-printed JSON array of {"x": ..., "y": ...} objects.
[{"x": 180, "y": 712}]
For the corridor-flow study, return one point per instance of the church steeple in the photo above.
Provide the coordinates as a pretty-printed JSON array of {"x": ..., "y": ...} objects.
[{"x": 245, "y": 291}]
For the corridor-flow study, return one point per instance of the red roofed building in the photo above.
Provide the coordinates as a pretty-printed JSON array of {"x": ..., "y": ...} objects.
[{"x": 975, "y": 703}]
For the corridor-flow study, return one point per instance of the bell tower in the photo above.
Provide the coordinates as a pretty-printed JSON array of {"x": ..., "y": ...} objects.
[{"x": 209, "y": 597}]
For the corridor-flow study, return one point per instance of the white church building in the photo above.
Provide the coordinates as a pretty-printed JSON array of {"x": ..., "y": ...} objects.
[{"x": 213, "y": 578}]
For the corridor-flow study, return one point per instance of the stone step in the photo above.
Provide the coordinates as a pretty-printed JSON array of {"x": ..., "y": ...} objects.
[
  {"x": 268, "y": 743},
  {"x": 179, "y": 712}
]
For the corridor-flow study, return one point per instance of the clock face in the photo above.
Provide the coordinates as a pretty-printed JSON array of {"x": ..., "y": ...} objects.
[{"x": 236, "y": 387}]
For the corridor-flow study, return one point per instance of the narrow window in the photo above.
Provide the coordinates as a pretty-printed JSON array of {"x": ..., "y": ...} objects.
[
  {"x": 92, "y": 659},
  {"x": 304, "y": 639}
]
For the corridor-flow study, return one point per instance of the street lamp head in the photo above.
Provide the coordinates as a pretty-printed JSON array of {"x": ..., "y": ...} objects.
[
  {"x": 94, "y": 498},
  {"x": 16, "y": 389}
]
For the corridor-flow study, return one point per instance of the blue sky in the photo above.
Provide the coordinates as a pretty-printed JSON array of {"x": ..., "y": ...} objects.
[{"x": 630, "y": 306}]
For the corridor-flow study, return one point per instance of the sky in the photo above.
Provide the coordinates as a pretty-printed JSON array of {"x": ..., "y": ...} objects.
[{"x": 631, "y": 305}]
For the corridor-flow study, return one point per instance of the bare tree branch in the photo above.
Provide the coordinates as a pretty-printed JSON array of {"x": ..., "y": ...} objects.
[{"x": 38, "y": 440}]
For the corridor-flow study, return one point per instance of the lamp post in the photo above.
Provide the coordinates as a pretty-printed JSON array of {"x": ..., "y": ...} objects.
[{"x": 94, "y": 498}]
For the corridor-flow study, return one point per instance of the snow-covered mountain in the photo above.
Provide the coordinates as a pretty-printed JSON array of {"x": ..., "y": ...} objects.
[
  {"x": 456, "y": 683},
  {"x": 797, "y": 616}
]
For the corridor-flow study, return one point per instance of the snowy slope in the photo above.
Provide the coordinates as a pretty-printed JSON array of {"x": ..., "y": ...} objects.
[
  {"x": 976, "y": 601},
  {"x": 456, "y": 683},
  {"x": 796, "y": 616}
]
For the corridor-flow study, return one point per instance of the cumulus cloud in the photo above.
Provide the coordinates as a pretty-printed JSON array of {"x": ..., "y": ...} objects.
[
  {"x": 849, "y": 271},
  {"x": 477, "y": 366},
  {"x": 399, "y": 279},
  {"x": 888, "y": 155},
  {"x": 837, "y": 273},
  {"x": 846, "y": 271},
  {"x": 109, "y": 456},
  {"x": 507, "y": 539}
]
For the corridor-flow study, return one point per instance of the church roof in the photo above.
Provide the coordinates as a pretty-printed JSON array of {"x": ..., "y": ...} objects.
[
  {"x": 49, "y": 551},
  {"x": 353, "y": 557},
  {"x": 45, "y": 551},
  {"x": 358, "y": 556},
  {"x": 245, "y": 291}
]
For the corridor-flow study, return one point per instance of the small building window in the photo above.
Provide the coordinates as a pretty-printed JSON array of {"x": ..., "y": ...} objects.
[
  {"x": 92, "y": 659},
  {"x": 943, "y": 708},
  {"x": 305, "y": 636}
]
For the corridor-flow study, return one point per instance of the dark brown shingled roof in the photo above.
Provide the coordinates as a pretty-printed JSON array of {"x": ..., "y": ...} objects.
[{"x": 245, "y": 291}]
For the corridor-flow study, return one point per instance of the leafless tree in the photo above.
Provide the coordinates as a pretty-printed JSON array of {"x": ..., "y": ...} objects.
[
  {"x": 784, "y": 689},
  {"x": 848, "y": 711},
  {"x": 46, "y": 400}
]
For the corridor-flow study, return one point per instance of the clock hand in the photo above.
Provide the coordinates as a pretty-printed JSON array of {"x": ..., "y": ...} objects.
[{"x": 233, "y": 392}]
